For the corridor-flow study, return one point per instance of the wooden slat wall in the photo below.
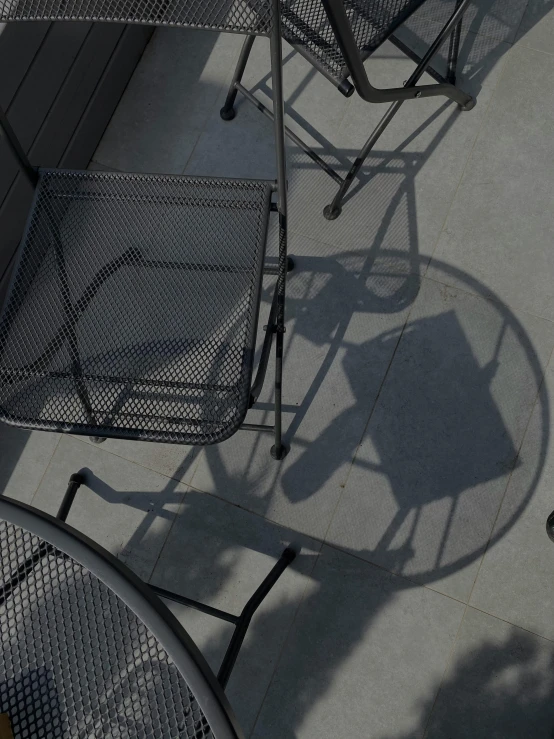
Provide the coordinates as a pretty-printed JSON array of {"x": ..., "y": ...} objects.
[{"x": 59, "y": 85}]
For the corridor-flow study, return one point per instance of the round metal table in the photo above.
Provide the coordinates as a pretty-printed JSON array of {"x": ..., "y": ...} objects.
[{"x": 87, "y": 650}]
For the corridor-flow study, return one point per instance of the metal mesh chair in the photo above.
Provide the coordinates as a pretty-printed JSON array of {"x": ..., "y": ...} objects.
[
  {"x": 238, "y": 16},
  {"x": 88, "y": 649},
  {"x": 337, "y": 36},
  {"x": 133, "y": 306}
]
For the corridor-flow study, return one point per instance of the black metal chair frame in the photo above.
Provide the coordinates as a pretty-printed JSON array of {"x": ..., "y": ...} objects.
[
  {"x": 336, "y": 12},
  {"x": 110, "y": 11},
  {"x": 144, "y": 600}
]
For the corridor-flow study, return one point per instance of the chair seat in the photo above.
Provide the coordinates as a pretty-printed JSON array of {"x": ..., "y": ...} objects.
[
  {"x": 305, "y": 24},
  {"x": 133, "y": 306}
]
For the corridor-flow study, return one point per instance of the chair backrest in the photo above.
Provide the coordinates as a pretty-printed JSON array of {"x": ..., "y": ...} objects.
[
  {"x": 87, "y": 649},
  {"x": 238, "y": 16},
  {"x": 339, "y": 34}
]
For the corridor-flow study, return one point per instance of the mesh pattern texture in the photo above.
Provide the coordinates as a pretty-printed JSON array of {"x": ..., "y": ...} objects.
[
  {"x": 75, "y": 661},
  {"x": 240, "y": 16},
  {"x": 305, "y": 24},
  {"x": 133, "y": 308}
]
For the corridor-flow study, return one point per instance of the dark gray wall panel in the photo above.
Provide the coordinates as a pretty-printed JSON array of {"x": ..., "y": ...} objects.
[
  {"x": 108, "y": 93},
  {"x": 19, "y": 43},
  {"x": 59, "y": 85}
]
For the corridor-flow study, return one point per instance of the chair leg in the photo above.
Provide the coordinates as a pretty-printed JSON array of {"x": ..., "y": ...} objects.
[
  {"x": 333, "y": 211},
  {"x": 241, "y": 622},
  {"x": 75, "y": 482},
  {"x": 228, "y": 110},
  {"x": 248, "y": 611},
  {"x": 454, "y": 49},
  {"x": 279, "y": 450}
]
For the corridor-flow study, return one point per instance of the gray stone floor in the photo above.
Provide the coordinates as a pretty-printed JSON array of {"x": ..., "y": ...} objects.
[{"x": 418, "y": 398}]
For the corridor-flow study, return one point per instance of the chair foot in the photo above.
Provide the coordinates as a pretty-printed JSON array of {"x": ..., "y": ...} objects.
[
  {"x": 97, "y": 439},
  {"x": 289, "y": 555},
  {"x": 227, "y": 114},
  {"x": 279, "y": 453},
  {"x": 550, "y": 526},
  {"x": 290, "y": 264},
  {"x": 469, "y": 105},
  {"x": 330, "y": 213}
]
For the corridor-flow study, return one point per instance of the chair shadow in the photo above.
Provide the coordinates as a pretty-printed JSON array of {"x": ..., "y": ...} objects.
[
  {"x": 460, "y": 423},
  {"x": 468, "y": 423}
]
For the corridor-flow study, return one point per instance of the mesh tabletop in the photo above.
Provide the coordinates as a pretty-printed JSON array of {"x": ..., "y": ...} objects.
[
  {"x": 305, "y": 24},
  {"x": 133, "y": 307},
  {"x": 239, "y": 16},
  {"x": 75, "y": 661}
]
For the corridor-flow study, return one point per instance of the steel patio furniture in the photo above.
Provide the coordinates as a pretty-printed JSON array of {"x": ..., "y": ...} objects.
[
  {"x": 337, "y": 36},
  {"x": 89, "y": 649},
  {"x": 133, "y": 305}
]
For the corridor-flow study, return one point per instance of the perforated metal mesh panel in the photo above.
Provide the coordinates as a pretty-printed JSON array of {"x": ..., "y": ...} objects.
[
  {"x": 133, "y": 307},
  {"x": 240, "y": 16},
  {"x": 75, "y": 661},
  {"x": 305, "y": 23}
]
